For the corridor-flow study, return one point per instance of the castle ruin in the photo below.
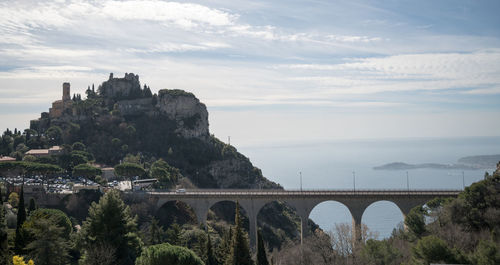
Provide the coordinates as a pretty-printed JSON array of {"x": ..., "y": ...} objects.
[{"x": 59, "y": 106}]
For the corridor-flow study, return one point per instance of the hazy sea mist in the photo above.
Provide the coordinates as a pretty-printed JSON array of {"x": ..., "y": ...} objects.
[{"x": 330, "y": 165}]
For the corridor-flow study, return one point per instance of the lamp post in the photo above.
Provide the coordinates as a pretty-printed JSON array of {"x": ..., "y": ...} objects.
[
  {"x": 300, "y": 173},
  {"x": 407, "y": 182},
  {"x": 354, "y": 180}
]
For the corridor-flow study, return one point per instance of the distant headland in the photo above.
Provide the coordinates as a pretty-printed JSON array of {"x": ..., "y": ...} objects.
[{"x": 464, "y": 163}]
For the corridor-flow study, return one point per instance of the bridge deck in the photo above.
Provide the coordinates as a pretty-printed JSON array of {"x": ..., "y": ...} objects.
[{"x": 303, "y": 193}]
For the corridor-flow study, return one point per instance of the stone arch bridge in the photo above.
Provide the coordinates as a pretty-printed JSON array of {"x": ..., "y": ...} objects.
[{"x": 303, "y": 202}]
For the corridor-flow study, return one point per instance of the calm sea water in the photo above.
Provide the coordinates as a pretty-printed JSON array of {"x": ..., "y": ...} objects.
[{"x": 330, "y": 165}]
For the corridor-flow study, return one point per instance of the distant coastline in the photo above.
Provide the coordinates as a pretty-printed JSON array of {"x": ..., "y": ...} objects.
[{"x": 464, "y": 163}]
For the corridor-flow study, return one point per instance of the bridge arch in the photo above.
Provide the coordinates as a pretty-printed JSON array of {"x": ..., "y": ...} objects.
[
  {"x": 266, "y": 219},
  {"x": 383, "y": 213},
  {"x": 331, "y": 211},
  {"x": 225, "y": 210},
  {"x": 175, "y": 211}
]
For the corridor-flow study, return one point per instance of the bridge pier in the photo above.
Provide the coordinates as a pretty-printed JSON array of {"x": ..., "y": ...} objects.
[
  {"x": 303, "y": 208},
  {"x": 357, "y": 207},
  {"x": 200, "y": 208},
  {"x": 405, "y": 205},
  {"x": 252, "y": 208}
]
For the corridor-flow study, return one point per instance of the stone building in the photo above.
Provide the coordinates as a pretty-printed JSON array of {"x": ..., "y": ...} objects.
[
  {"x": 59, "y": 106},
  {"x": 54, "y": 150}
]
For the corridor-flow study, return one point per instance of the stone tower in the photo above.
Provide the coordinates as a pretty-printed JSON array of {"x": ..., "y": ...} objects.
[{"x": 66, "y": 92}]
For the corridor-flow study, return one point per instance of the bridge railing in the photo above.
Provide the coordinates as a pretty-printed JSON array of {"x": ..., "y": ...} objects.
[{"x": 308, "y": 192}]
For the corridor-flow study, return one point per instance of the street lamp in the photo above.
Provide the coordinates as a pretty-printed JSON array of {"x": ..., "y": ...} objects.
[
  {"x": 354, "y": 180},
  {"x": 407, "y": 182},
  {"x": 300, "y": 173}
]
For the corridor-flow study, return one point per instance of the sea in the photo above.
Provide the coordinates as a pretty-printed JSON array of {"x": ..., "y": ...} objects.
[{"x": 345, "y": 164}]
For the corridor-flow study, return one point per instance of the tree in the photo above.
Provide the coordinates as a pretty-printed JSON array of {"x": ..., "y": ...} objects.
[
  {"x": 240, "y": 252},
  {"x": 432, "y": 249},
  {"x": 223, "y": 250},
  {"x": 4, "y": 242},
  {"x": 55, "y": 216},
  {"x": 54, "y": 134},
  {"x": 13, "y": 199},
  {"x": 164, "y": 173},
  {"x": 100, "y": 254},
  {"x": 210, "y": 257},
  {"x": 79, "y": 146},
  {"x": 110, "y": 222},
  {"x": 86, "y": 171},
  {"x": 49, "y": 246},
  {"x": 487, "y": 253},
  {"x": 415, "y": 221},
  {"x": 379, "y": 252},
  {"x": 174, "y": 234},
  {"x": 129, "y": 170},
  {"x": 19, "y": 243},
  {"x": 168, "y": 254},
  {"x": 155, "y": 232},
  {"x": 261, "y": 251},
  {"x": 31, "y": 206},
  {"x": 77, "y": 159}
]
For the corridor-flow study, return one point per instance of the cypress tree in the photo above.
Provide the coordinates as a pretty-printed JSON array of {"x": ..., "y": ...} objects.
[
  {"x": 224, "y": 248},
  {"x": 19, "y": 243},
  {"x": 31, "y": 206},
  {"x": 261, "y": 251},
  {"x": 4, "y": 242},
  {"x": 240, "y": 252},
  {"x": 211, "y": 260}
]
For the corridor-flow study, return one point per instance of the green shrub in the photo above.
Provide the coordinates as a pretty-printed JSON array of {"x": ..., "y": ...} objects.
[{"x": 163, "y": 254}]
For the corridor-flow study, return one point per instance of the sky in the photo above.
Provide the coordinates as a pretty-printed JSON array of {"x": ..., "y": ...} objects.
[{"x": 269, "y": 71}]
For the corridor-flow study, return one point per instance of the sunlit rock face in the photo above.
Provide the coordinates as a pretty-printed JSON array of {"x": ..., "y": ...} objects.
[{"x": 189, "y": 113}]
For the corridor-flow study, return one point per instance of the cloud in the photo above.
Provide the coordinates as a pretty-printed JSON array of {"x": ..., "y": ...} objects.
[
  {"x": 344, "y": 38},
  {"x": 186, "y": 15},
  {"x": 405, "y": 72},
  {"x": 484, "y": 91},
  {"x": 284, "y": 100}
]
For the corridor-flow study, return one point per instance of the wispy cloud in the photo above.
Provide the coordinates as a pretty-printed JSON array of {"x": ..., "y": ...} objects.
[{"x": 406, "y": 72}]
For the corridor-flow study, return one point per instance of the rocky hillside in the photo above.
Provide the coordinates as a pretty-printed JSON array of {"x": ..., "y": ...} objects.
[{"x": 122, "y": 118}]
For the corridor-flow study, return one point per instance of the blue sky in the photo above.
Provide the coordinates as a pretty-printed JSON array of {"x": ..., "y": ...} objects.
[{"x": 269, "y": 70}]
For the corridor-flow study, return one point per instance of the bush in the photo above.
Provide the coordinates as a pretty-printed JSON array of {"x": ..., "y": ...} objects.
[{"x": 168, "y": 254}]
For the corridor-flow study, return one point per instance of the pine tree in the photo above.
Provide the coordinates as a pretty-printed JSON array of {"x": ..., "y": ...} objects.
[
  {"x": 4, "y": 244},
  {"x": 111, "y": 223},
  {"x": 261, "y": 251},
  {"x": 210, "y": 257},
  {"x": 49, "y": 247},
  {"x": 19, "y": 243},
  {"x": 155, "y": 232},
  {"x": 174, "y": 234},
  {"x": 240, "y": 252}
]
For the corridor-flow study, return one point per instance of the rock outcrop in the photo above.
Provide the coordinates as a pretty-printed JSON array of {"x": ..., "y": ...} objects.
[{"x": 189, "y": 113}]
